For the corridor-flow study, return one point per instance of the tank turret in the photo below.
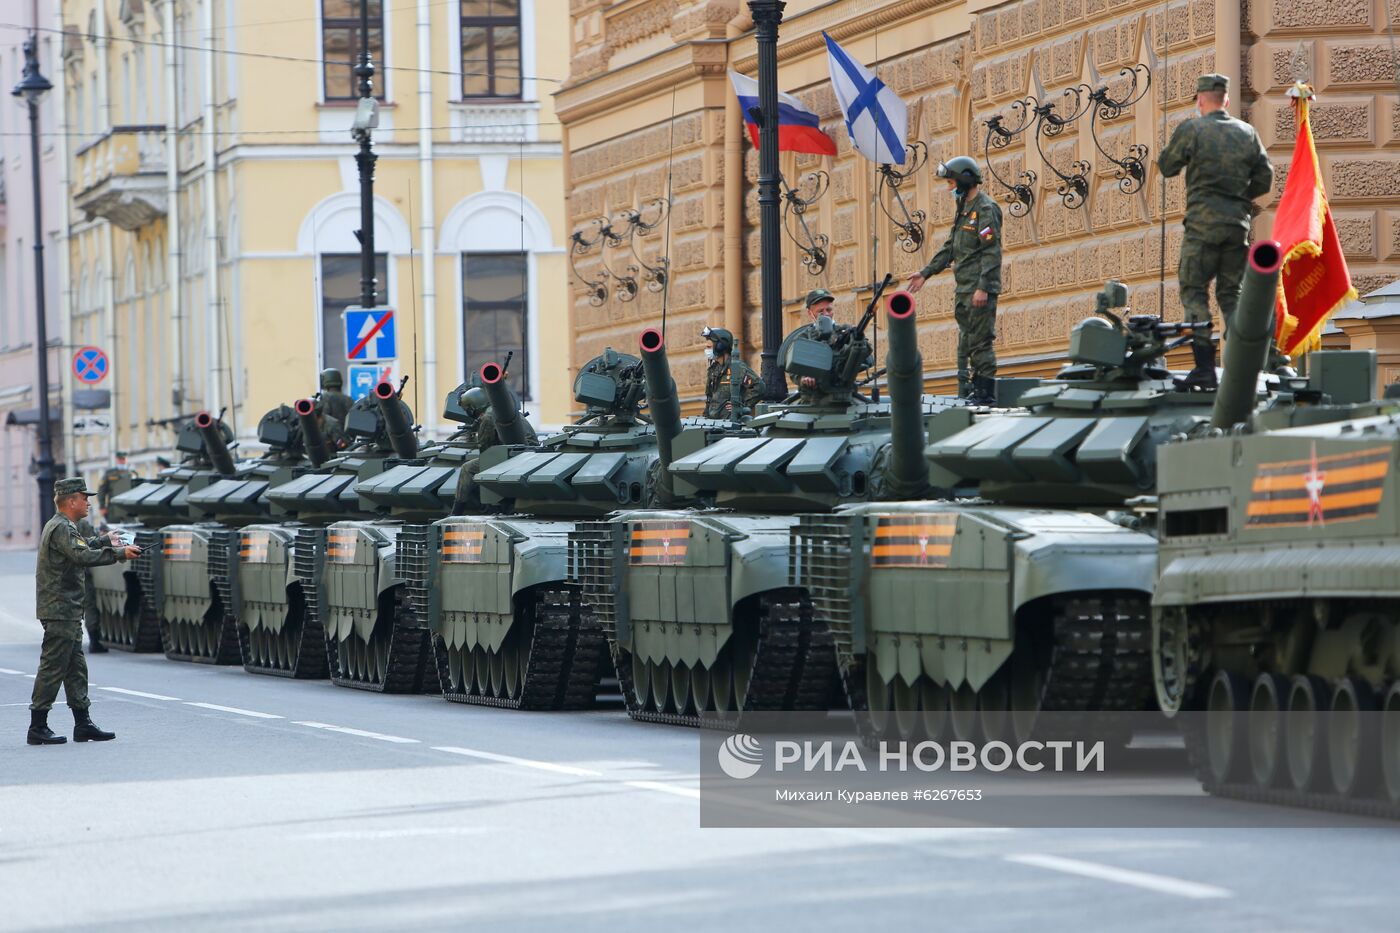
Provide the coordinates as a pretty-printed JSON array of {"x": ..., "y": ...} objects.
[
  {"x": 511, "y": 426},
  {"x": 215, "y": 446},
  {"x": 398, "y": 421},
  {"x": 907, "y": 474},
  {"x": 318, "y": 451},
  {"x": 1251, "y": 333}
]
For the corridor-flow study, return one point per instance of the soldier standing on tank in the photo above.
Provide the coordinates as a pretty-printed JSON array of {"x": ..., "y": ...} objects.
[
  {"x": 336, "y": 402},
  {"x": 63, "y": 556},
  {"x": 1226, "y": 169},
  {"x": 973, "y": 249},
  {"x": 727, "y": 377}
]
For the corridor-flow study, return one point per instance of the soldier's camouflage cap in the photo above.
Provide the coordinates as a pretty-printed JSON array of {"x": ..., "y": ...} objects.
[
  {"x": 816, "y": 295},
  {"x": 1207, "y": 83},
  {"x": 67, "y": 487}
]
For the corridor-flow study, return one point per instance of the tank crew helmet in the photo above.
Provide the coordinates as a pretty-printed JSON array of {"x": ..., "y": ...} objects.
[
  {"x": 473, "y": 399},
  {"x": 814, "y": 302},
  {"x": 331, "y": 378},
  {"x": 721, "y": 341},
  {"x": 962, "y": 171}
]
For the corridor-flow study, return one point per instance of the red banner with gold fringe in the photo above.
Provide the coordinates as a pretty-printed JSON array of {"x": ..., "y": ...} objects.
[{"x": 1315, "y": 280}]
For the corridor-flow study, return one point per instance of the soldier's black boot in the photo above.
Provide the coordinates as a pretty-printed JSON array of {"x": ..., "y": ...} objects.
[
  {"x": 1203, "y": 375},
  {"x": 39, "y": 731},
  {"x": 984, "y": 390},
  {"x": 964, "y": 384},
  {"x": 95, "y": 645},
  {"x": 85, "y": 730}
]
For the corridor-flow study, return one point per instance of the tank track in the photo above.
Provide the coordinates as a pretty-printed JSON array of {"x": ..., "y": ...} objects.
[
  {"x": 794, "y": 668},
  {"x": 182, "y": 640},
  {"x": 409, "y": 667},
  {"x": 306, "y": 646},
  {"x": 564, "y": 662},
  {"x": 141, "y": 634}
]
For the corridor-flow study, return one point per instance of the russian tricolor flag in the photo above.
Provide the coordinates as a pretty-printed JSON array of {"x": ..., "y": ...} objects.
[{"x": 799, "y": 130}]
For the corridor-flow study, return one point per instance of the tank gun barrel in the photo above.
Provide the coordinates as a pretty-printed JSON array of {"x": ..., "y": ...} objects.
[
  {"x": 1251, "y": 330},
  {"x": 214, "y": 445},
  {"x": 505, "y": 408},
  {"x": 312, "y": 437},
  {"x": 661, "y": 398},
  {"x": 904, "y": 365},
  {"x": 397, "y": 423}
]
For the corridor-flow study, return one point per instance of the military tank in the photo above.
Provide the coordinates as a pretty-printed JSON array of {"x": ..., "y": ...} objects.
[
  {"x": 1276, "y": 643},
  {"x": 1036, "y": 594},
  {"x": 199, "y": 591},
  {"x": 511, "y": 629},
  {"x": 283, "y": 565},
  {"x": 702, "y": 617},
  {"x": 130, "y": 595}
]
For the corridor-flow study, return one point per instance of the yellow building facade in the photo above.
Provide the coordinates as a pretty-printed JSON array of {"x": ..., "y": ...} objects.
[
  {"x": 649, "y": 110},
  {"x": 213, "y": 199}
]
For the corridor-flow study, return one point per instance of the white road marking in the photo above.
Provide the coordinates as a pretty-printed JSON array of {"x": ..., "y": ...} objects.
[
  {"x": 140, "y": 693},
  {"x": 1138, "y": 879},
  {"x": 522, "y": 762},
  {"x": 360, "y": 732},
  {"x": 233, "y": 709},
  {"x": 396, "y": 833},
  {"x": 6, "y": 670},
  {"x": 692, "y": 793}
]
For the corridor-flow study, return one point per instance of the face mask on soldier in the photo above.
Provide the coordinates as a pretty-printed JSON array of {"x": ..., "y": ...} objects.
[{"x": 709, "y": 354}]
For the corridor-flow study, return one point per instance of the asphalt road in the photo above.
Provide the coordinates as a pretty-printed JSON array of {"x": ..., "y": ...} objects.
[{"x": 231, "y": 801}]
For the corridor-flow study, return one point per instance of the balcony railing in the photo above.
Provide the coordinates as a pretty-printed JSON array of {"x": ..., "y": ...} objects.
[{"x": 121, "y": 176}]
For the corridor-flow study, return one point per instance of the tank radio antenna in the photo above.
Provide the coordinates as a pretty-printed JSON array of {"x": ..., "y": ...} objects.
[
  {"x": 413, "y": 290},
  {"x": 1162, "y": 179},
  {"x": 670, "y": 157}
]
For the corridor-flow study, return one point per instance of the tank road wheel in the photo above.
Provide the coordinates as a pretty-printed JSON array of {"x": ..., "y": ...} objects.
[
  {"x": 641, "y": 682},
  {"x": 680, "y": 689},
  {"x": 743, "y": 647},
  {"x": 1227, "y": 749},
  {"x": 904, "y": 702},
  {"x": 963, "y": 707},
  {"x": 700, "y": 687},
  {"x": 381, "y": 660},
  {"x": 1266, "y": 752},
  {"x": 1175, "y": 662},
  {"x": 510, "y": 658},
  {"x": 1304, "y": 734},
  {"x": 933, "y": 709},
  {"x": 481, "y": 666},
  {"x": 722, "y": 686},
  {"x": 1390, "y": 742},
  {"x": 498, "y": 674},
  {"x": 660, "y": 685},
  {"x": 994, "y": 708},
  {"x": 877, "y": 698},
  {"x": 1027, "y": 687},
  {"x": 460, "y": 683},
  {"x": 1352, "y": 738}
]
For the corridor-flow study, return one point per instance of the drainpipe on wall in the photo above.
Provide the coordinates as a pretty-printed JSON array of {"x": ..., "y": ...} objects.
[
  {"x": 1227, "y": 49},
  {"x": 109, "y": 290},
  {"x": 65, "y": 303},
  {"x": 734, "y": 196},
  {"x": 212, "y": 345},
  {"x": 172, "y": 209},
  {"x": 427, "y": 222}
]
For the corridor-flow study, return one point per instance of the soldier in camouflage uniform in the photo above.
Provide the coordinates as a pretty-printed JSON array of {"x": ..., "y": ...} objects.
[
  {"x": 473, "y": 399},
  {"x": 973, "y": 249},
  {"x": 336, "y": 402},
  {"x": 1226, "y": 169},
  {"x": 726, "y": 373},
  {"x": 820, "y": 303},
  {"x": 63, "y": 556}
]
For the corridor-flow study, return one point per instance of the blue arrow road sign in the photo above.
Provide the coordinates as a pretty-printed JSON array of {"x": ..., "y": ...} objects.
[
  {"x": 369, "y": 335},
  {"x": 363, "y": 378}
]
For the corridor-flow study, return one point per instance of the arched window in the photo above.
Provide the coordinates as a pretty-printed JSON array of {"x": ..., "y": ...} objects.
[{"x": 496, "y": 235}]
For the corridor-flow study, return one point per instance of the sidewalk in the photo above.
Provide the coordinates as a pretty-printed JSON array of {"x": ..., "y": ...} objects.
[{"x": 17, "y": 622}]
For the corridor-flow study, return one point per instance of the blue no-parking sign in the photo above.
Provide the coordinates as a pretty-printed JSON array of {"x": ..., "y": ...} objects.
[{"x": 369, "y": 335}]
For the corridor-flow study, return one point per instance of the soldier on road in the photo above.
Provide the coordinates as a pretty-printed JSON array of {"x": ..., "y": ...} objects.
[
  {"x": 337, "y": 403},
  {"x": 973, "y": 249},
  {"x": 728, "y": 377},
  {"x": 1226, "y": 169},
  {"x": 63, "y": 557}
]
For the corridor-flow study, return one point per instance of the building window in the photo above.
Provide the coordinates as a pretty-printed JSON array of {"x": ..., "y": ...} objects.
[
  {"x": 340, "y": 289},
  {"x": 491, "y": 48},
  {"x": 340, "y": 47},
  {"x": 494, "y": 299}
]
